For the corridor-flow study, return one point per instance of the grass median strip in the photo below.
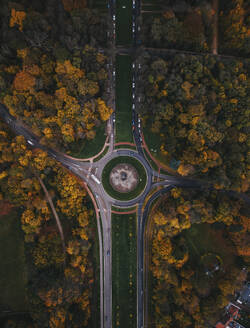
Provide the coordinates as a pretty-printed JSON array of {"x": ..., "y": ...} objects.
[
  {"x": 123, "y": 22},
  {"x": 123, "y": 99},
  {"x": 124, "y": 256}
]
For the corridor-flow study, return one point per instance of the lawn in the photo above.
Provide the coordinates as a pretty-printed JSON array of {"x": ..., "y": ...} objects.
[
  {"x": 13, "y": 275},
  {"x": 124, "y": 257},
  {"x": 123, "y": 22},
  {"x": 123, "y": 99},
  {"x": 89, "y": 148}
]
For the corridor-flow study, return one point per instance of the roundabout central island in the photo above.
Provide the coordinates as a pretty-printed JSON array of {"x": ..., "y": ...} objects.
[{"x": 124, "y": 178}]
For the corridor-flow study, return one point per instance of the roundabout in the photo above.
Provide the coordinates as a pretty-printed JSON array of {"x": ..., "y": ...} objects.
[{"x": 124, "y": 178}]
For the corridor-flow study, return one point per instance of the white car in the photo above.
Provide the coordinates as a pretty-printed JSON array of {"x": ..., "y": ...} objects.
[
  {"x": 123, "y": 7},
  {"x": 133, "y": 84},
  {"x": 133, "y": 30},
  {"x": 139, "y": 66},
  {"x": 133, "y": 96},
  {"x": 113, "y": 73},
  {"x": 30, "y": 142},
  {"x": 114, "y": 119},
  {"x": 133, "y": 106},
  {"x": 114, "y": 17},
  {"x": 133, "y": 65}
]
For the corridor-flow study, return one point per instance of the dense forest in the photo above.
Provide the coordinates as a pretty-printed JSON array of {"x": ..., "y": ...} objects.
[
  {"x": 200, "y": 247},
  {"x": 53, "y": 78},
  {"x": 200, "y": 26},
  {"x": 198, "y": 108},
  {"x": 53, "y": 72},
  {"x": 60, "y": 276}
]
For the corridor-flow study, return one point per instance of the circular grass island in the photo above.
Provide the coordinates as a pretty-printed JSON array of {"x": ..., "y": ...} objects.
[{"x": 124, "y": 178}]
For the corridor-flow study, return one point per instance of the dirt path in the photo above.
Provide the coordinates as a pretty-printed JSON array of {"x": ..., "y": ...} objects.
[
  {"x": 59, "y": 226},
  {"x": 214, "y": 46}
]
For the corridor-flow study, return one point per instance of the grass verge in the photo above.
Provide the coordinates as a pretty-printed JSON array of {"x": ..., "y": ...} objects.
[
  {"x": 124, "y": 256},
  {"x": 95, "y": 311},
  {"x": 13, "y": 274},
  {"x": 129, "y": 195}
]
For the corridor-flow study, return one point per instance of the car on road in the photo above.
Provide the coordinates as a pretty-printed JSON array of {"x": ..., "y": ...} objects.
[
  {"x": 133, "y": 30},
  {"x": 133, "y": 84},
  {"x": 133, "y": 106},
  {"x": 108, "y": 252},
  {"x": 30, "y": 142},
  {"x": 113, "y": 73},
  {"x": 133, "y": 65},
  {"x": 114, "y": 119},
  {"x": 139, "y": 65},
  {"x": 133, "y": 96},
  {"x": 114, "y": 17},
  {"x": 123, "y": 7}
]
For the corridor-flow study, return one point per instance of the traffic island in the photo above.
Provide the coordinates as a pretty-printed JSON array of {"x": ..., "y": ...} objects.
[{"x": 124, "y": 178}]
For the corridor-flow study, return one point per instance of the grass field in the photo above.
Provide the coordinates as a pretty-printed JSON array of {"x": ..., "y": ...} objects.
[
  {"x": 124, "y": 270},
  {"x": 89, "y": 148},
  {"x": 123, "y": 22},
  {"x": 123, "y": 99},
  {"x": 13, "y": 276}
]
